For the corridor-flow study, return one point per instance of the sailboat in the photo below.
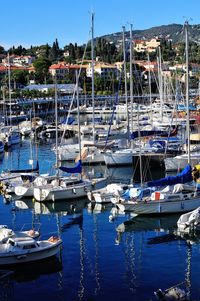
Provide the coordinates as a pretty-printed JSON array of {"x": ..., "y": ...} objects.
[
  {"x": 92, "y": 150},
  {"x": 12, "y": 136},
  {"x": 67, "y": 188},
  {"x": 122, "y": 156},
  {"x": 179, "y": 195},
  {"x": 178, "y": 162}
]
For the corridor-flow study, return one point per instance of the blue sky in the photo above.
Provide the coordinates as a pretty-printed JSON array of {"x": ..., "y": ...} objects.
[{"x": 37, "y": 22}]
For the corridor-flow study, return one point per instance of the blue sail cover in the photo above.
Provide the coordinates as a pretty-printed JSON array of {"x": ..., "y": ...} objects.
[
  {"x": 76, "y": 169},
  {"x": 183, "y": 177}
]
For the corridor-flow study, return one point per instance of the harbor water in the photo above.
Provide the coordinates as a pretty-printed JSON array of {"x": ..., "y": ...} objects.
[{"x": 99, "y": 260}]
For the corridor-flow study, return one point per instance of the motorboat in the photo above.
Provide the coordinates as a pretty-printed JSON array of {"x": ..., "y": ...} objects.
[
  {"x": 18, "y": 250},
  {"x": 189, "y": 222}
]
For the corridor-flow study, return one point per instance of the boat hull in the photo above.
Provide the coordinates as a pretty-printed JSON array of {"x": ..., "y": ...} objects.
[
  {"x": 58, "y": 193},
  {"x": 117, "y": 159},
  {"x": 73, "y": 191},
  {"x": 179, "y": 162},
  {"x": 11, "y": 259},
  {"x": 22, "y": 191},
  {"x": 159, "y": 207}
]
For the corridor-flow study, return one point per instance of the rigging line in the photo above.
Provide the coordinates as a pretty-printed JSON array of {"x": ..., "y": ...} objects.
[
  {"x": 74, "y": 93},
  {"x": 113, "y": 111},
  {"x": 170, "y": 126}
]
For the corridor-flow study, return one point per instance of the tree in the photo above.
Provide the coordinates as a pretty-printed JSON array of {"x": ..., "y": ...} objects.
[
  {"x": 2, "y": 50},
  {"x": 55, "y": 51},
  {"x": 19, "y": 76},
  {"x": 41, "y": 66}
]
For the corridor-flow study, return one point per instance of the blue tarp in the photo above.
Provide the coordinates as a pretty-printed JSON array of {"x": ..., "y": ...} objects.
[
  {"x": 161, "y": 143},
  {"x": 76, "y": 169},
  {"x": 141, "y": 192},
  {"x": 182, "y": 107},
  {"x": 183, "y": 177}
]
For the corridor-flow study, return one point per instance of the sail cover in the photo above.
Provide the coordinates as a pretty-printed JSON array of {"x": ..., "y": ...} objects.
[
  {"x": 183, "y": 177},
  {"x": 76, "y": 169}
]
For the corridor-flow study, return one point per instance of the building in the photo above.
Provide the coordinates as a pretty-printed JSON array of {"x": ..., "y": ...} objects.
[
  {"x": 17, "y": 60},
  {"x": 146, "y": 45},
  {"x": 105, "y": 71},
  {"x": 61, "y": 70}
]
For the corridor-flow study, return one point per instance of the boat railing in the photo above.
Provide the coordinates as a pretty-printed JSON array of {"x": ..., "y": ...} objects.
[{"x": 30, "y": 226}]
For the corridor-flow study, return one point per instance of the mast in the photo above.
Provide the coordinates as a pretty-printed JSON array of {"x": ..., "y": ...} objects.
[
  {"x": 149, "y": 82},
  {"x": 160, "y": 83},
  {"x": 187, "y": 91},
  {"x": 131, "y": 75},
  {"x": 125, "y": 80},
  {"x": 78, "y": 113},
  {"x": 92, "y": 57},
  {"x": 9, "y": 88},
  {"x": 56, "y": 121}
]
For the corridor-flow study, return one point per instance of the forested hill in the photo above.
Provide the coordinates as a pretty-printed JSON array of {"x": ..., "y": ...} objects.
[{"x": 171, "y": 31}]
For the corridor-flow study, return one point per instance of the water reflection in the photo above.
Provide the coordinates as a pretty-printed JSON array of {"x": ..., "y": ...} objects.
[
  {"x": 62, "y": 207},
  {"x": 97, "y": 208},
  {"x": 138, "y": 223},
  {"x": 32, "y": 271},
  {"x": 148, "y": 255}
]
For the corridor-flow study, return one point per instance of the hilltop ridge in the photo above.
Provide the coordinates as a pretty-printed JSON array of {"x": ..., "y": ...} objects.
[{"x": 173, "y": 32}]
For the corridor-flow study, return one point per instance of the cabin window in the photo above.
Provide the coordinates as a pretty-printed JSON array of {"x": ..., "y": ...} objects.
[
  {"x": 11, "y": 243},
  {"x": 29, "y": 247},
  {"x": 172, "y": 197}
]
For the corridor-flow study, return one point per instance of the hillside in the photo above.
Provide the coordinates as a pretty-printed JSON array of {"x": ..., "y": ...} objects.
[{"x": 173, "y": 32}]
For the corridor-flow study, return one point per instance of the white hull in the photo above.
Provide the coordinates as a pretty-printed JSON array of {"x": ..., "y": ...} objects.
[
  {"x": 24, "y": 191},
  {"x": 179, "y": 162},
  {"x": 73, "y": 191},
  {"x": 23, "y": 257},
  {"x": 59, "y": 193},
  {"x": 124, "y": 157},
  {"x": 108, "y": 194},
  {"x": 94, "y": 158},
  {"x": 105, "y": 198},
  {"x": 68, "y": 154},
  {"x": 160, "y": 207},
  {"x": 90, "y": 156},
  {"x": 189, "y": 222}
]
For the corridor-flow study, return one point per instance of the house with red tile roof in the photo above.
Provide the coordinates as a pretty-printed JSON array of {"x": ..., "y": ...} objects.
[{"x": 62, "y": 69}]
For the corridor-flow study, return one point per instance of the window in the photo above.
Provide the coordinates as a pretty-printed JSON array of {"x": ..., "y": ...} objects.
[{"x": 26, "y": 247}]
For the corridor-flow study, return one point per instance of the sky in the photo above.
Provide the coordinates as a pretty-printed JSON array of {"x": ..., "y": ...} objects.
[{"x": 37, "y": 22}]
